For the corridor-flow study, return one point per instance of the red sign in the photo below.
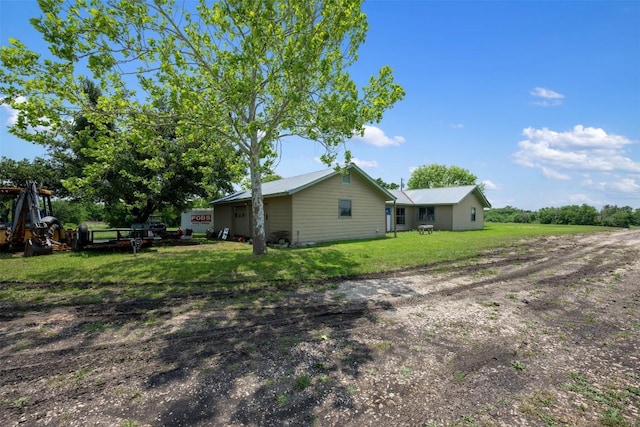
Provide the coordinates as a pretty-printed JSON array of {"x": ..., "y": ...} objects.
[{"x": 200, "y": 219}]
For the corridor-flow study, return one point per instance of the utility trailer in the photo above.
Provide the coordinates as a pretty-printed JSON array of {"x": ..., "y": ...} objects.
[{"x": 113, "y": 238}]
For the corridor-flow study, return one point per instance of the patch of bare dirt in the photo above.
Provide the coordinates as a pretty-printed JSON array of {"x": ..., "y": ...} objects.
[{"x": 543, "y": 334}]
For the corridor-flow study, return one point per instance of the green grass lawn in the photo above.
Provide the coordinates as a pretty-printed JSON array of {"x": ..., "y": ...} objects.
[
  {"x": 224, "y": 264},
  {"x": 217, "y": 266}
]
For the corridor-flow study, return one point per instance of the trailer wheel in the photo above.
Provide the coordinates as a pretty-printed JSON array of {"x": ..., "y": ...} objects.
[
  {"x": 75, "y": 244},
  {"x": 81, "y": 238}
]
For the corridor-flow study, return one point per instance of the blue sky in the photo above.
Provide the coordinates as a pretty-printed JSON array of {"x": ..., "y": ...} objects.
[{"x": 539, "y": 99}]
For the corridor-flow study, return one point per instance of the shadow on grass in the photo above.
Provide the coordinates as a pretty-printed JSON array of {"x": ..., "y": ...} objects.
[
  {"x": 97, "y": 277},
  {"x": 199, "y": 264}
]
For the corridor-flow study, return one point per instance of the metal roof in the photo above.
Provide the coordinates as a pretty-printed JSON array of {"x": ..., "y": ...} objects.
[
  {"x": 438, "y": 196},
  {"x": 288, "y": 186}
]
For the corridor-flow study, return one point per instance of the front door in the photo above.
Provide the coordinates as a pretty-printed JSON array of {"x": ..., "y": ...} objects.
[{"x": 240, "y": 225}]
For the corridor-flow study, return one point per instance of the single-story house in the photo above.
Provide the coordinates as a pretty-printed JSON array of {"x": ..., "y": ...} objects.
[
  {"x": 449, "y": 208},
  {"x": 320, "y": 206}
]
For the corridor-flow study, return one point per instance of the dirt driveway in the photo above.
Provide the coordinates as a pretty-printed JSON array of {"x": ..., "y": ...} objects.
[{"x": 543, "y": 334}]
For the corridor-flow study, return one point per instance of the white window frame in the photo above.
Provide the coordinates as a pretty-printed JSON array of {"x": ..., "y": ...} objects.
[
  {"x": 427, "y": 217},
  {"x": 343, "y": 211},
  {"x": 401, "y": 215}
]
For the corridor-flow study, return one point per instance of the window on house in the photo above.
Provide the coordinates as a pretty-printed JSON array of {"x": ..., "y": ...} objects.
[
  {"x": 346, "y": 178},
  {"x": 344, "y": 208},
  {"x": 473, "y": 214},
  {"x": 427, "y": 214},
  {"x": 400, "y": 216}
]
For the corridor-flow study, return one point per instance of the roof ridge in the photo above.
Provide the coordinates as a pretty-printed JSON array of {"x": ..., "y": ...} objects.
[{"x": 408, "y": 197}]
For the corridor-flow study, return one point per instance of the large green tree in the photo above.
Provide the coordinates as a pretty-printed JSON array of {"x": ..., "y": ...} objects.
[
  {"x": 44, "y": 171},
  {"x": 615, "y": 216},
  {"x": 436, "y": 176},
  {"x": 387, "y": 185},
  {"x": 246, "y": 72},
  {"x": 160, "y": 173}
]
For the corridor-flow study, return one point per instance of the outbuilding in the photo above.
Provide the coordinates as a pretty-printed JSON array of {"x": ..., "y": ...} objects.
[{"x": 197, "y": 220}]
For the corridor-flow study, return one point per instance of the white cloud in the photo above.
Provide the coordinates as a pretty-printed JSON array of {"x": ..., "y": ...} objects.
[
  {"x": 457, "y": 126},
  {"x": 365, "y": 163},
  {"x": 546, "y": 93},
  {"x": 12, "y": 112},
  {"x": 626, "y": 185},
  {"x": 580, "y": 149},
  {"x": 619, "y": 184},
  {"x": 579, "y": 136},
  {"x": 13, "y": 116},
  {"x": 598, "y": 158},
  {"x": 375, "y": 136},
  {"x": 490, "y": 185},
  {"x": 579, "y": 199},
  {"x": 548, "y": 97},
  {"x": 589, "y": 183},
  {"x": 554, "y": 174}
]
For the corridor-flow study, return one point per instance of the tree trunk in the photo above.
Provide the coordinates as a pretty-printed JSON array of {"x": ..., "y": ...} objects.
[
  {"x": 142, "y": 215},
  {"x": 257, "y": 207}
]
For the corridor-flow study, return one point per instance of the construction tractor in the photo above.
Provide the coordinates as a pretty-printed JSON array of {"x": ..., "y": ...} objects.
[{"x": 30, "y": 227}]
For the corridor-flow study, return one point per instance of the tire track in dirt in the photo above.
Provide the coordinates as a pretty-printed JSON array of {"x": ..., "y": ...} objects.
[
  {"x": 329, "y": 312},
  {"x": 578, "y": 260},
  {"x": 477, "y": 368},
  {"x": 553, "y": 264}
]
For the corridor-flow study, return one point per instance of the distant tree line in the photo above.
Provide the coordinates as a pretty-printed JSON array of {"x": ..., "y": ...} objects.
[{"x": 609, "y": 215}]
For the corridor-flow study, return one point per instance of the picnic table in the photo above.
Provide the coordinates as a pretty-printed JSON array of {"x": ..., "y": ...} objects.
[{"x": 425, "y": 228}]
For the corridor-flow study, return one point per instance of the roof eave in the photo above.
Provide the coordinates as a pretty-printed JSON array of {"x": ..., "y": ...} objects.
[
  {"x": 244, "y": 199},
  {"x": 482, "y": 197}
]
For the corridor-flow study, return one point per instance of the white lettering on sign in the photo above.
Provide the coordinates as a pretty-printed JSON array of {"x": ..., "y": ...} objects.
[{"x": 200, "y": 219}]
